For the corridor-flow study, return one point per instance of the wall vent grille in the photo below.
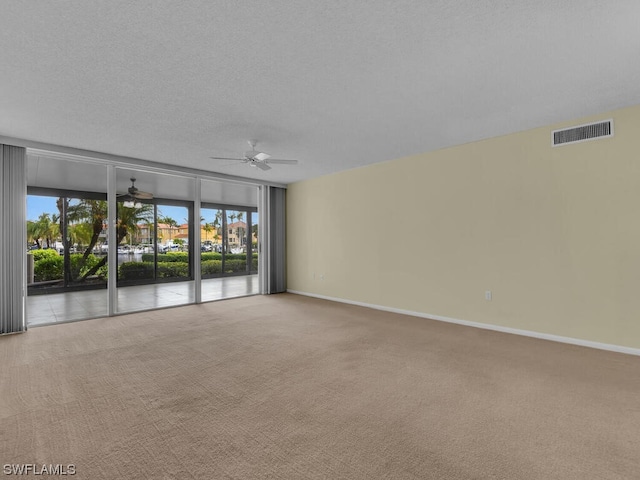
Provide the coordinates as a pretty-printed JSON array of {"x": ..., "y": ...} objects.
[{"x": 582, "y": 133}]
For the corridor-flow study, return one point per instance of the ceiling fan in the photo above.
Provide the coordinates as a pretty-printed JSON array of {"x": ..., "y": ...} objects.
[
  {"x": 255, "y": 158},
  {"x": 134, "y": 194}
]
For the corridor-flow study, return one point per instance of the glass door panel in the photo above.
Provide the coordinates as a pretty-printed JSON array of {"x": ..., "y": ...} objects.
[
  {"x": 66, "y": 222},
  {"x": 211, "y": 242},
  {"x": 234, "y": 255},
  {"x": 254, "y": 242},
  {"x": 173, "y": 243},
  {"x": 154, "y": 228}
]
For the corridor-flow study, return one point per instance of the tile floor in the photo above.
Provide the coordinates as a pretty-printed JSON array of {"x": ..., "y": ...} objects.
[{"x": 64, "y": 307}]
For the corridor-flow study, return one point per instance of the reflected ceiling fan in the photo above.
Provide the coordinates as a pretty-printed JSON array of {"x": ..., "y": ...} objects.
[
  {"x": 255, "y": 158},
  {"x": 134, "y": 194}
]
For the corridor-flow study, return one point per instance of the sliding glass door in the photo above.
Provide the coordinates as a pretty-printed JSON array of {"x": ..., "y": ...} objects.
[
  {"x": 154, "y": 239},
  {"x": 67, "y": 265},
  {"x": 154, "y": 229}
]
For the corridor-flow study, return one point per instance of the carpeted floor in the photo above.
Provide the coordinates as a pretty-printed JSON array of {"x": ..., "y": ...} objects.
[{"x": 290, "y": 387}]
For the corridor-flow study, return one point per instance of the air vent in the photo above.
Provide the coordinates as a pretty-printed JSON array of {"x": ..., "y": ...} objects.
[{"x": 582, "y": 133}]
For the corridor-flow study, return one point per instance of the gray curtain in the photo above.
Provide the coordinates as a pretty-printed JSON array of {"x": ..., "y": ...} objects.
[
  {"x": 13, "y": 195},
  {"x": 277, "y": 280}
]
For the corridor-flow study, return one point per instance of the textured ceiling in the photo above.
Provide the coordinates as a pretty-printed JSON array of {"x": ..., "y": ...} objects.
[{"x": 336, "y": 84}]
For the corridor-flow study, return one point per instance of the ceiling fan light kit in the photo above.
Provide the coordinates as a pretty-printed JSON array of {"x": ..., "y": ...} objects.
[
  {"x": 260, "y": 156},
  {"x": 132, "y": 204}
]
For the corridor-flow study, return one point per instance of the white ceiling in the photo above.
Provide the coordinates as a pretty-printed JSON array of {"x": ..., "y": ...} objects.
[{"x": 336, "y": 84}]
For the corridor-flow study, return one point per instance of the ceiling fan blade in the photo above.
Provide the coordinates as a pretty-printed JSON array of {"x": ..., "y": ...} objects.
[
  {"x": 262, "y": 166},
  {"x": 143, "y": 195},
  {"x": 229, "y": 158},
  {"x": 283, "y": 162},
  {"x": 230, "y": 164}
]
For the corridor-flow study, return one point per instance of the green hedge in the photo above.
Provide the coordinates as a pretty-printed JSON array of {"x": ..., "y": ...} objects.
[
  {"x": 172, "y": 269},
  {"x": 230, "y": 266},
  {"x": 135, "y": 271},
  {"x": 144, "y": 270},
  {"x": 40, "y": 254},
  {"x": 211, "y": 266},
  {"x": 49, "y": 267},
  {"x": 183, "y": 257}
]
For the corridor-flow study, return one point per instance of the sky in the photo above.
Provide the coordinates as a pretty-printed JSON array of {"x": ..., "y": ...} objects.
[{"x": 37, "y": 205}]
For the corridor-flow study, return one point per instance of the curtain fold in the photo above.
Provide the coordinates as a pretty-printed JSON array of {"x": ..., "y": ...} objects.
[
  {"x": 13, "y": 238},
  {"x": 277, "y": 275}
]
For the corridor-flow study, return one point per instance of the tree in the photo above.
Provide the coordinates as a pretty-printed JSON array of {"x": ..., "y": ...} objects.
[
  {"x": 241, "y": 230},
  {"x": 208, "y": 228},
  {"x": 79, "y": 234},
  {"x": 128, "y": 220},
  {"x": 232, "y": 217},
  {"x": 90, "y": 216},
  {"x": 45, "y": 229},
  {"x": 170, "y": 222},
  {"x": 217, "y": 224},
  {"x": 33, "y": 235},
  {"x": 93, "y": 214}
]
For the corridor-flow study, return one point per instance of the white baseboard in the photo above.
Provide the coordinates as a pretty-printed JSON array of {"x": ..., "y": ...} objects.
[{"x": 485, "y": 326}]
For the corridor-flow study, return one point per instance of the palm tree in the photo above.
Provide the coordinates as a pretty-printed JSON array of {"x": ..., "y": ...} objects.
[
  {"x": 33, "y": 235},
  {"x": 92, "y": 213},
  {"x": 232, "y": 217},
  {"x": 79, "y": 233},
  {"x": 240, "y": 217},
  {"x": 44, "y": 229},
  {"x": 171, "y": 222},
  {"x": 208, "y": 228},
  {"x": 217, "y": 224},
  {"x": 128, "y": 220}
]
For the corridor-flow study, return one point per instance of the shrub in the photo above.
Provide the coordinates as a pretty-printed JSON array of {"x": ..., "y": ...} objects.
[
  {"x": 172, "y": 269},
  {"x": 76, "y": 260},
  {"x": 184, "y": 256},
  {"x": 211, "y": 266},
  {"x": 135, "y": 271},
  {"x": 231, "y": 266},
  {"x": 49, "y": 267},
  {"x": 40, "y": 254},
  {"x": 103, "y": 272},
  {"x": 180, "y": 257}
]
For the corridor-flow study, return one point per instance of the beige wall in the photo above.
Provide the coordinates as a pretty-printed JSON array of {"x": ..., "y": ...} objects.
[{"x": 554, "y": 233}]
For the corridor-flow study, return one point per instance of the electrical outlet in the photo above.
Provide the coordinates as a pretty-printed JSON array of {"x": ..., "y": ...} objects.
[{"x": 487, "y": 295}]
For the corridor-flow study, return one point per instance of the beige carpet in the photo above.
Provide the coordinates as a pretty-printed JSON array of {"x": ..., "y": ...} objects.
[{"x": 291, "y": 387}]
